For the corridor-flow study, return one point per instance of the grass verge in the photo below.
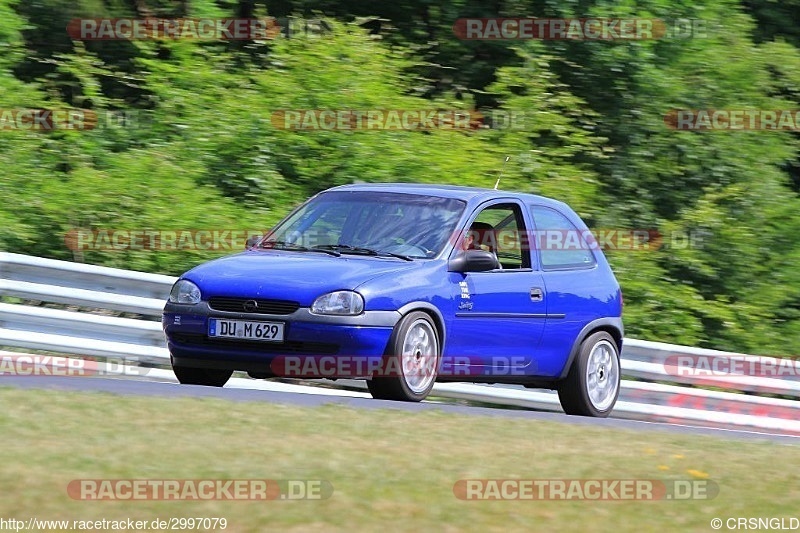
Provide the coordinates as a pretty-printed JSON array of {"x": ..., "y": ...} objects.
[{"x": 390, "y": 470}]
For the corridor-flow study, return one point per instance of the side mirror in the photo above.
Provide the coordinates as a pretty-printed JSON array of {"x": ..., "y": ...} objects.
[
  {"x": 473, "y": 261},
  {"x": 252, "y": 241}
]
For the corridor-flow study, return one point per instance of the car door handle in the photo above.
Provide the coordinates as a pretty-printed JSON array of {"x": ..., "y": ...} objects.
[{"x": 536, "y": 294}]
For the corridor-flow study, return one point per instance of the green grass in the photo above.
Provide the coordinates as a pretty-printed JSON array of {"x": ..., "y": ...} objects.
[{"x": 391, "y": 470}]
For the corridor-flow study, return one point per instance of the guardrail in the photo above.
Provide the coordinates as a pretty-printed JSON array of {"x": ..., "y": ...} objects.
[{"x": 657, "y": 391}]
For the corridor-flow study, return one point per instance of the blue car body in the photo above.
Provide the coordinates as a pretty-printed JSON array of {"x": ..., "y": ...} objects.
[{"x": 523, "y": 324}]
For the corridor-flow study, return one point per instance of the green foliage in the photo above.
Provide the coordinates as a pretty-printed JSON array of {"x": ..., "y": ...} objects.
[{"x": 200, "y": 149}]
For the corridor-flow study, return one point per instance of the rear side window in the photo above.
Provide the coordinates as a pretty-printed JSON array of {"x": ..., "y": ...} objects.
[{"x": 561, "y": 245}]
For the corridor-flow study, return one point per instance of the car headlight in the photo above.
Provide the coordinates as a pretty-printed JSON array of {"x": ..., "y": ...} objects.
[
  {"x": 184, "y": 292},
  {"x": 339, "y": 303}
]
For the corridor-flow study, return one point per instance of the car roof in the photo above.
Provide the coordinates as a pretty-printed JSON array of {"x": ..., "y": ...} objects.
[{"x": 459, "y": 192}]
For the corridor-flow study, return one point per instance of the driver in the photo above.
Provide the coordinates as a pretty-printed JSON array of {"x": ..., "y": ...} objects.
[{"x": 481, "y": 236}]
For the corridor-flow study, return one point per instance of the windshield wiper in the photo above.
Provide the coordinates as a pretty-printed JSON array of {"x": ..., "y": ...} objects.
[
  {"x": 361, "y": 250},
  {"x": 283, "y": 245}
]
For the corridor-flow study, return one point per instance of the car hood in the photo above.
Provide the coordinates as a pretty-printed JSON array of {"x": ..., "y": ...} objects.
[{"x": 297, "y": 276}]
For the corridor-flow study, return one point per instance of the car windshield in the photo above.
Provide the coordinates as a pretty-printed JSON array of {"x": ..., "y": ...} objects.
[{"x": 370, "y": 223}]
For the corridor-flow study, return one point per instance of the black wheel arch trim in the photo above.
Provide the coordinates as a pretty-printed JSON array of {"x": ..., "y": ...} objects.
[
  {"x": 614, "y": 323},
  {"x": 439, "y": 321}
]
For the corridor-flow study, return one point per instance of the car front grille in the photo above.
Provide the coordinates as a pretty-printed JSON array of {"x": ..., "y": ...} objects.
[
  {"x": 253, "y": 305},
  {"x": 280, "y": 348}
]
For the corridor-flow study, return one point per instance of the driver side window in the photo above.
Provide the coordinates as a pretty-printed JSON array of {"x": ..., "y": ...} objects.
[{"x": 500, "y": 229}]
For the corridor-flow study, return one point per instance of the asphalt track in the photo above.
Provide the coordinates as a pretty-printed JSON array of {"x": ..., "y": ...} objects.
[{"x": 137, "y": 387}]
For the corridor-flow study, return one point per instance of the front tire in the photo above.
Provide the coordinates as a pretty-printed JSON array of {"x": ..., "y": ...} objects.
[
  {"x": 201, "y": 376},
  {"x": 591, "y": 387},
  {"x": 412, "y": 364}
]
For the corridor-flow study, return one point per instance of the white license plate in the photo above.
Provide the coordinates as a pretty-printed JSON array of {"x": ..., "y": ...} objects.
[{"x": 245, "y": 329}]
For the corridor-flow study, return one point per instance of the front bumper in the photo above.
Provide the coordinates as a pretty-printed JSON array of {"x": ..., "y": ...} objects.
[{"x": 186, "y": 328}]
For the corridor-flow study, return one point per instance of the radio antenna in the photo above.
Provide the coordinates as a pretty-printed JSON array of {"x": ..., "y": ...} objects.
[{"x": 499, "y": 174}]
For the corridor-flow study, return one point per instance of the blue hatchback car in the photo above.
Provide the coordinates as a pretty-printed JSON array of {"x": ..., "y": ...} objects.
[{"x": 404, "y": 285}]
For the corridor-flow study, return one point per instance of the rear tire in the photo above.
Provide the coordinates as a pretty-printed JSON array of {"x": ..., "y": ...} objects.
[
  {"x": 591, "y": 387},
  {"x": 261, "y": 375},
  {"x": 201, "y": 376},
  {"x": 412, "y": 364}
]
